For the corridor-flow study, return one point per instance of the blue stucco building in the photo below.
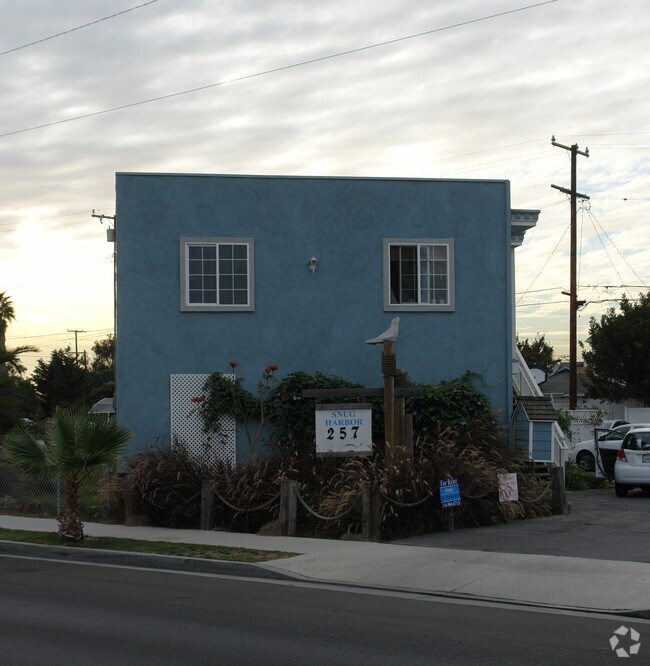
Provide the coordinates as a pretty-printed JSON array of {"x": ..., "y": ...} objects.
[{"x": 300, "y": 272}]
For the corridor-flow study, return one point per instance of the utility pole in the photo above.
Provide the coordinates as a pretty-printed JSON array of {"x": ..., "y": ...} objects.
[
  {"x": 573, "y": 293},
  {"x": 76, "y": 331},
  {"x": 111, "y": 238}
]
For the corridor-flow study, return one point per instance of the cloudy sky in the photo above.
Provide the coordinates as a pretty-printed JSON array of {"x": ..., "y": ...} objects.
[{"x": 410, "y": 88}]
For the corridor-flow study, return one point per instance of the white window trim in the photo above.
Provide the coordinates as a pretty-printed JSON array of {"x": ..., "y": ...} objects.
[
  {"x": 419, "y": 307},
  {"x": 186, "y": 306}
]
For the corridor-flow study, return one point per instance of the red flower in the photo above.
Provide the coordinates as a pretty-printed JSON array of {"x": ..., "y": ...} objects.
[
  {"x": 275, "y": 367},
  {"x": 199, "y": 398},
  {"x": 233, "y": 364},
  {"x": 268, "y": 369}
]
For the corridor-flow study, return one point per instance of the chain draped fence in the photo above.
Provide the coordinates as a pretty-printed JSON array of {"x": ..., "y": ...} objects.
[{"x": 370, "y": 500}]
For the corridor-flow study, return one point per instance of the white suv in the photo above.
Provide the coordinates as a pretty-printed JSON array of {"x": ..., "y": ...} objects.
[{"x": 632, "y": 467}]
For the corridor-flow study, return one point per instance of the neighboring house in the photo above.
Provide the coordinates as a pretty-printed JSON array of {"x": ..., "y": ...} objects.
[
  {"x": 556, "y": 387},
  {"x": 300, "y": 272}
]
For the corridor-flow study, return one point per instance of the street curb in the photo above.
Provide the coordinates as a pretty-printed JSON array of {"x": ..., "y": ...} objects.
[{"x": 142, "y": 560}]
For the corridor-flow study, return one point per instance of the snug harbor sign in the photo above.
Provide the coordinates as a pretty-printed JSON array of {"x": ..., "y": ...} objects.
[{"x": 343, "y": 428}]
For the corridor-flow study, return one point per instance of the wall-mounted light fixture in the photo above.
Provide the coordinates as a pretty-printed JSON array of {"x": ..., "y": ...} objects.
[{"x": 312, "y": 264}]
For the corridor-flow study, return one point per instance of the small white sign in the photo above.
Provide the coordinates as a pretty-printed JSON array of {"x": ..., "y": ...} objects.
[
  {"x": 508, "y": 488},
  {"x": 343, "y": 428}
]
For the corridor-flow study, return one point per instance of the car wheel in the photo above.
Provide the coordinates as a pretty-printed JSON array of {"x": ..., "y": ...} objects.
[
  {"x": 620, "y": 490},
  {"x": 586, "y": 461}
]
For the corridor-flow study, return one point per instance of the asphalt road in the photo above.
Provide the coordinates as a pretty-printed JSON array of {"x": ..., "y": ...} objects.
[
  {"x": 54, "y": 613},
  {"x": 599, "y": 526}
]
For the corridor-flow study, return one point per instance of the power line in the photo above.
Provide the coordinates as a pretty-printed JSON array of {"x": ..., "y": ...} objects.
[
  {"x": 544, "y": 266},
  {"x": 275, "y": 70},
  {"x": 79, "y": 27},
  {"x": 592, "y": 216}
]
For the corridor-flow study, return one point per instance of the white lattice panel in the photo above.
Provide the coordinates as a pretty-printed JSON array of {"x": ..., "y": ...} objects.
[{"x": 187, "y": 427}]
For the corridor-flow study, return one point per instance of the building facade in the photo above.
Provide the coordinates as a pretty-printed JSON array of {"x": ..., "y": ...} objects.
[{"x": 300, "y": 272}]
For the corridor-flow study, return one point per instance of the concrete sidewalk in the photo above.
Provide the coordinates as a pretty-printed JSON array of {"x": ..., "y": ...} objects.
[{"x": 557, "y": 581}]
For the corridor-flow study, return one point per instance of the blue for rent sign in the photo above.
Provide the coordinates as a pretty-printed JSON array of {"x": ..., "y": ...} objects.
[{"x": 450, "y": 493}]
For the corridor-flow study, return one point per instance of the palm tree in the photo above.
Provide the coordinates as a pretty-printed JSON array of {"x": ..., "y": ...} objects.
[
  {"x": 11, "y": 407},
  {"x": 7, "y": 314},
  {"x": 10, "y": 358},
  {"x": 75, "y": 442}
]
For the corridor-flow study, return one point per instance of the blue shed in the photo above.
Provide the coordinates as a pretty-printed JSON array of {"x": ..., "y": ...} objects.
[
  {"x": 300, "y": 272},
  {"x": 533, "y": 421}
]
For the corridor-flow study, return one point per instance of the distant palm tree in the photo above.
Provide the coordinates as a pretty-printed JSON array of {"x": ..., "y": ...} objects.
[
  {"x": 7, "y": 314},
  {"x": 75, "y": 442},
  {"x": 11, "y": 407},
  {"x": 10, "y": 358}
]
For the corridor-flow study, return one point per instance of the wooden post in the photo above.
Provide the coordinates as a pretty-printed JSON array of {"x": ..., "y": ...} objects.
[
  {"x": 288, "y": 516},
  {"x": 371, "y": 513},
  {"x": 207, "y": 505},
  {"x": 129, "y": 498},
  {"x": 408, "y": 435},
  {"x": 388, "y": 360},
  {"x": 558, "y": 488},
  {"x": 399, "y": 425}
]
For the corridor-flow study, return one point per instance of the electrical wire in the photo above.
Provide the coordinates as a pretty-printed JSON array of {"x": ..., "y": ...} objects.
[
  {"x": 545, "y": 263},
  {"x": 79, "y": 27},
  {"x": 594, "y": 220},
  {"x": 275, "y": 70}
]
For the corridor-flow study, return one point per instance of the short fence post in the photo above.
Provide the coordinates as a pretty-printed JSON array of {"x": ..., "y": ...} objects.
[
  {"x": 371, "y": 513},
  {"x": 558, "y": 488},
  {"x": 207, "y": 505},
  {"x": 129, "y": 498},
  {"x": 288, "y": 515}
]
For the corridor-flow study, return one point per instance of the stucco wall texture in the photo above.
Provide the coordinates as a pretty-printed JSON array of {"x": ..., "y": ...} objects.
[{"x": 302, "y": 320}]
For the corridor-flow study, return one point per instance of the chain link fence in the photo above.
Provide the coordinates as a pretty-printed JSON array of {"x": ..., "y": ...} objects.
[{"x": 44, "y": 496}]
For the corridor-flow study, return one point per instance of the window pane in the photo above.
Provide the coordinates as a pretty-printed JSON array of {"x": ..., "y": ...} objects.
[
  {"x": 210, "y": 282},
  {"x": 194, "y": 251},
  {"x": 209, "y": 252},
  {"x": 210, "y": 267},
  {"x": 440, "y": 252},
  {"x": 225, "y": 282},
  {"x": 195, "y": 282},
  {"x": 239, "y": 267},
  {"x": 225, "y": 297},
  {"x": 225, "y": 251},
  {"x": 195, "y": 267},
  {"x": 240, "y": 297},
  {"x": 210, "y": 296},
  {"x": 240, "y": 251},
  {"x": 240, "y": 281}
]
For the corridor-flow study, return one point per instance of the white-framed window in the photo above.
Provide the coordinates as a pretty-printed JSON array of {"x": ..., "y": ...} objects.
[
  {"x": 418, "y": 274},
  {"x": 217, "y": 274}
]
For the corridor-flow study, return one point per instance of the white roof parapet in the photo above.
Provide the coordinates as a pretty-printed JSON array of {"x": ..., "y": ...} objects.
[{"x": 521, "y": 220}]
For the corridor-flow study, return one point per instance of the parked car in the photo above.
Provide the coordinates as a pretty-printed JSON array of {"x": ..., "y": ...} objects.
[
  {"x": 632, "y": 468},
  {"x": 584, "y": 453},
  {"x": 608, "y": 425}
]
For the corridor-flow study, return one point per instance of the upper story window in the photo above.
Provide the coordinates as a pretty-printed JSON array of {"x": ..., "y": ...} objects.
[
  {"x": 217, "y": 274},
  {"x": 418, "y": 274}
]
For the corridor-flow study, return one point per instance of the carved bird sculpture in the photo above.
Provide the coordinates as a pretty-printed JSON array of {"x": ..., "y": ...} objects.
[{"x": 389, "y": 335}]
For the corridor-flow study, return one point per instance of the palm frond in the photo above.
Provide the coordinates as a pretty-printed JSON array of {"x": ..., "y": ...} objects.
[
  {"x": 81, "y": 440},
  {"x": 26, "y": 451}
]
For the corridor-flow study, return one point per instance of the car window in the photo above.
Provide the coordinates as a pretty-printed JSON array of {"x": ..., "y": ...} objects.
[
  {"x": 643, "y": 441},
  {"x": 619, "y": 433}
]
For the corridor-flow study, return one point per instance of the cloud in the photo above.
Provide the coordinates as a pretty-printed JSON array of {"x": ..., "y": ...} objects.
[{"x": 422, "y": 107}]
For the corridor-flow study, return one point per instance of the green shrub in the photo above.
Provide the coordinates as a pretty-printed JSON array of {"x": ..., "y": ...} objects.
[{"x": 575, "y": 478}]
